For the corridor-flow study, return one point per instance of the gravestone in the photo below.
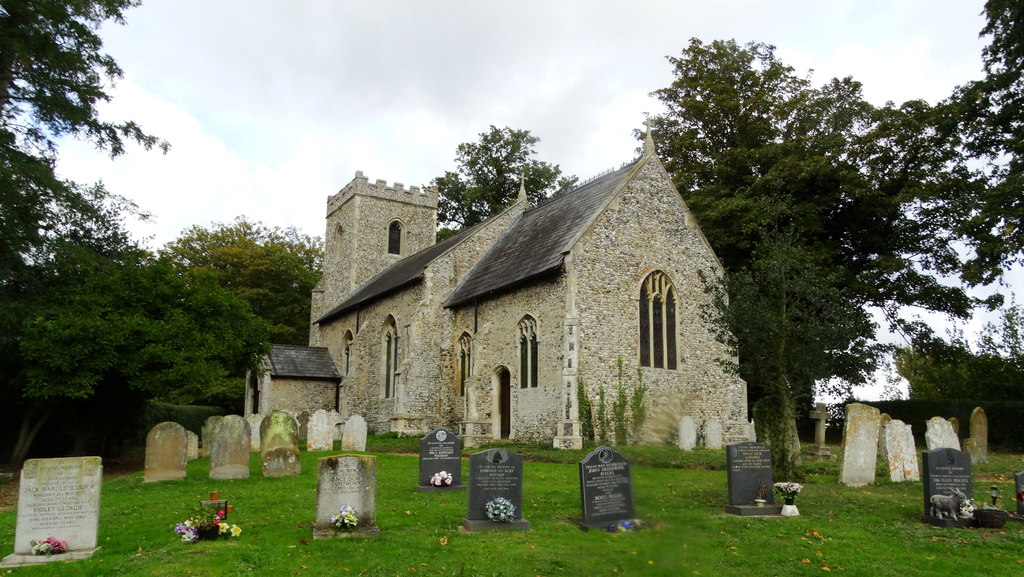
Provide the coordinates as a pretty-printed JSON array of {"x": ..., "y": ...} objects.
[
  {"x": 820, "y": 450},
  {"x": 712, "y": 434},
  {"x": 1019, "y": 486},
  {"x": 687, "y": 433},
  {"x": 860, "y": 445},
  {"x": 191, "y": 446},
  {"x": 346, "y": 480},
  {"x": 165, "y": 453},
  {"x": 751, "y": 431},
  {"x": 884, "y": 420},
  {"x": 495, "y": 473},
  {"x": 230, "y": 448},
  {"x": 279, "y": 439},
  {"x": 303, "y": 422},
  {"x": 955, "y": 423},
  {"x": 57, "y": 498},
  {"x": 206, "y": 434},
  {"x": 944, "y": 470},
  {"x": 749, "y": 469},
  {"x": 977, "y": 443},
  {"x": 939, "y": 434},
  {"x": 440, "y": 450},
  {"x": 606, "y": 488},
  {"x": 901, "y": 454},
  {"x": 320, "y": 432},
  {"x": 354, "y": 437},
  {"x": 255, "y": 421}
]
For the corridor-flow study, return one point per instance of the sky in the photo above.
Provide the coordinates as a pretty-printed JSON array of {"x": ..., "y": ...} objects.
[{"x": 272, "y": 106}]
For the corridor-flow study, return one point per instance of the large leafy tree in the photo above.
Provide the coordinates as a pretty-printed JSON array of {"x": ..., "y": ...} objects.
[
  {"x": 273, "y": 269},
  {"x": 817, "y": 202},
  {"x": 488, "y": 178}
]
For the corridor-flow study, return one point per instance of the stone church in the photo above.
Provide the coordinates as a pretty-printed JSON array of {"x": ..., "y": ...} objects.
[{"x": 495, "y": 331}]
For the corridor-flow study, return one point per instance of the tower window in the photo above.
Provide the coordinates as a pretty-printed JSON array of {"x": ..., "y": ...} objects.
[{"x": 395, "y": 238}]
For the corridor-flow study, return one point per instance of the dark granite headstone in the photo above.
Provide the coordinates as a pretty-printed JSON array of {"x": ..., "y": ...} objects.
[
  {"x": 440, "y": 450},
  {"x": 606, "y": 488},
  {"x": 944, "y": 470},
  {"x": 495, "y": 473},
  {"x": 749, "y": 470}
]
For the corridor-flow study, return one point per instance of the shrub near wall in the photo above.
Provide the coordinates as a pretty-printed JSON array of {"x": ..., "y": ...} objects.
[{"x": 1005, "y": 425}]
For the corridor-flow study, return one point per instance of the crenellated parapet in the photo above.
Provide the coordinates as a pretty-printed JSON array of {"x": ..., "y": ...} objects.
[{"x": 361, "y": 185}]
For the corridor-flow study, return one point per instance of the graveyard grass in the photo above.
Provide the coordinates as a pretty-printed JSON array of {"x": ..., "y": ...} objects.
[{"x": 871, "y": 531}]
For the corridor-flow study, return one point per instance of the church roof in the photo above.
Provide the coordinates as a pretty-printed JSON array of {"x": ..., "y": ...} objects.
[
  {"x": 302, "y": 362},
  {"x": 396, "y": 276},
  {"x": 537, "y": 242}
]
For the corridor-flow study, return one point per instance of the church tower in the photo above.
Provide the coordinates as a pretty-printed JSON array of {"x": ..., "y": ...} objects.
[{"x": 370, "y": 226}]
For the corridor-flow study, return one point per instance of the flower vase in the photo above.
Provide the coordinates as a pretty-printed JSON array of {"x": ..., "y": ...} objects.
[
  {"x": 208, "y": 534},
  {"x": 789, "y": 509},
  {"x": 759, "y": 502}
]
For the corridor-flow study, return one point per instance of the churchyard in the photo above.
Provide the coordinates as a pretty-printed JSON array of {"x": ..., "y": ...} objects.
[{"x": 679, "y": 496}]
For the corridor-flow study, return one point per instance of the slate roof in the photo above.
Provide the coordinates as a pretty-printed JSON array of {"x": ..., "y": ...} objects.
[
  {"x": 537, "y": 242},
  {"x": 396, "y": 276},
  {"x": 302, "y": 362}
]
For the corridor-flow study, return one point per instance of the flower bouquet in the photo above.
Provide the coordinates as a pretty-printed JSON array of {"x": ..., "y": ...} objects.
[
  {"x": 205, "y": 524},
  {"x": 788, "y": 489},
  {"x": 500, "y": 509},
  {"x": 442, "y": 479},
  {"x": 345, "y": 519},
  {"x": 49, "y": 546}
]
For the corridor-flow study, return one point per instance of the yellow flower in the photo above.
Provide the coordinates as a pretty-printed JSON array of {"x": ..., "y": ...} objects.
[{"x": 236, "y": 530}]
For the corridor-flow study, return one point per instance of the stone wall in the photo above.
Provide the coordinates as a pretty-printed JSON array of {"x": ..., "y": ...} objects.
[{"x": 647, "y": 228}]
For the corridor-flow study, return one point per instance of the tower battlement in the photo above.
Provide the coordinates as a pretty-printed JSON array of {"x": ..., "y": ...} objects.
[{"x": 361, "y": 185}]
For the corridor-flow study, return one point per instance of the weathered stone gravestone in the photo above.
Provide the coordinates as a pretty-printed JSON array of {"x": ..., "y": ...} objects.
[
  {"x": 977, "y": 443},
  {"x": 279, "y": 438},
  {"x": 303, "y": 421},
  {"x": 346, "y": 480},
  {"x": 945, "y": 470},
  {"x": 255, "y": 421},
  {"x": 354, "y": 437},
  {"x": 320, "y": 431},
  {"x": 165, "y": 453},
  {"x": 820, "y": 450},
  {"x": 712, "y": 434},
  {"x": 229, "y": 449},
  {"x": 687, "y": 433},
  {"x": 495, "y": 481},
  {"x": 606, "y": 488},
  {"x": 749, "y": 470},
  {"x": 901, "y": 454},
  {"x": 884, "y": 420},
  {"x": 860, "y": 445},
  {"x": 206, "y": 434},
  {"x": 57, "y": 498},
  {"x": 955, "y": 423},
  {"x": 440, "y": 452},
  {"x": 191, "y": 446},
  {"x": 939, "y": 434}
]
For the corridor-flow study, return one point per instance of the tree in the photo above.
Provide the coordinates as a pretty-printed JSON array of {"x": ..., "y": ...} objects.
[
  {"x": 273, "y": 269},
  {"x": 790, "y": 325},
  {"x": 819, "y": 205},
  {"x": 488, "y": 178}
]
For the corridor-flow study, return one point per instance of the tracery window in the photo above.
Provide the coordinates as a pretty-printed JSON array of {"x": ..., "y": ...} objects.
[
  {"x": 657, "y": 317},
  {"x": 390, "y": 356},
  {"x": 528, "y": 350},
  {"x": 465, "y": 361}
]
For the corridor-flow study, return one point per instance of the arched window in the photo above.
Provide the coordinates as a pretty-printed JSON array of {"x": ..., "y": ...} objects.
[
  {"x": 465, "y": 361},
  {"x": 395, "y": 237},
  {"x": 658, "y": 322},
  {"x": 390, "y": 356},
  {"x": 339, "y": 244},
  {"x": 346, "y": 353},
  {"x": 528, "y": 352}
]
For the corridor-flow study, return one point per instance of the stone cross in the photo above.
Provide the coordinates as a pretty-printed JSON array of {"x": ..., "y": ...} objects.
[{"x": 820, "y": 414}]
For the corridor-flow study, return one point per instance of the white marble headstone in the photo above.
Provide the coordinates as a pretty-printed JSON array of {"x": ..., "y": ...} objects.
[
  {"x": 687, "y": 433},
  {"x": 354, "y": 438},
  {"x": 939, "y": 434},
  {"x": 712, "y": 434},
  {"x": 320, "y": 431}
]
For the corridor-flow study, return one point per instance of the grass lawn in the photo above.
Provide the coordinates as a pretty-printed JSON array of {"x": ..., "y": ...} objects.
[{"x": 871, "y": 531}]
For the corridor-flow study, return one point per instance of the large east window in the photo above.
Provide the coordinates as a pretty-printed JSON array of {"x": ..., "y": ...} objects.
[{"x": 658, "y": 322}]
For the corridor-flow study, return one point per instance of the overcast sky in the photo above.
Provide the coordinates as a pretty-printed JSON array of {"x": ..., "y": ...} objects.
[{"x": 270, "y": 107}]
